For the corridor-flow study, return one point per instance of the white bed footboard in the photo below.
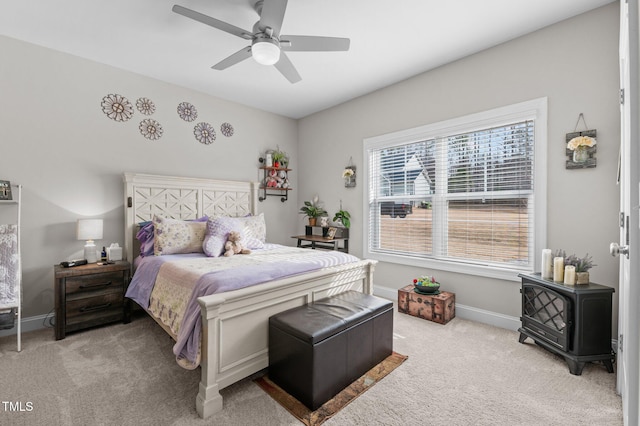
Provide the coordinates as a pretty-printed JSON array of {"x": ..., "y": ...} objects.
[{"x": 235, "y": 324}]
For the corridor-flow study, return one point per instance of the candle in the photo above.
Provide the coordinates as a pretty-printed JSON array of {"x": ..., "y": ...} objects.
[
  {"x": 570, "y": 275},
  {"x": 547, "y": 265},
  {"x": 558, "y": 269}
]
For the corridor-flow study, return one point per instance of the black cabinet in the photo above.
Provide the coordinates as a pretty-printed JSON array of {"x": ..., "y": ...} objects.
[{"x": 573, "y": 321}]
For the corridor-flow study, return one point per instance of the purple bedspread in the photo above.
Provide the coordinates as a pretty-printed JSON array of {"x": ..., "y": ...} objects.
[{"x": 290, "y": 261}]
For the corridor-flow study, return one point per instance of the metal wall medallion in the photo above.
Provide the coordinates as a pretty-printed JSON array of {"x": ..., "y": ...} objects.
[
  {"x": 226, "y": 129},
  {"x": 117, "y": 107},
  {"x": 187, "y": 112},
  {"x": 150, "y": 129},
  {"x": 205, "y": 133},
  {"x": 145, "y": 106}
]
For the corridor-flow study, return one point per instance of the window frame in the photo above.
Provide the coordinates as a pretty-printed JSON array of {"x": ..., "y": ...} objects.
[{"x": 535, "y": 110}]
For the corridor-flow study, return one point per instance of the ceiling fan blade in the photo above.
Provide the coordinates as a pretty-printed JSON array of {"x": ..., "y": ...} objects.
[
  {"x": 297, "y": 43},
  {"x": 287, "y": 69},
  {"x": 239, "y": 56},
  {"x": 272, "y": 15},
  {"x": 212, "y": 22}
]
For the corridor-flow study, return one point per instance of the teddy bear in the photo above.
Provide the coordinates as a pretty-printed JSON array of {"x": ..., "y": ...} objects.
[{"x": 233, "y": 245}]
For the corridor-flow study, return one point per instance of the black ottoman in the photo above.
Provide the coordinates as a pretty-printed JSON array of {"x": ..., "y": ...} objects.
[{"x": 318, "y": 349}]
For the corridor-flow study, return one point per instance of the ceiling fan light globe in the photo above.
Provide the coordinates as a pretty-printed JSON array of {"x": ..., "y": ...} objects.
[{"x": 265, "y": 52}]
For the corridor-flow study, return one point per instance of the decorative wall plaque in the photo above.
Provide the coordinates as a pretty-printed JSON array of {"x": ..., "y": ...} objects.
[
  {"x": 187, "y": 112},
  {"x": 226, "y": 129},
  {"x": 145, "y": 106},
  {"x": 117, "y": 107},
  {"x": 150, "y": 129},
  {"x": 205, "y": 133}
]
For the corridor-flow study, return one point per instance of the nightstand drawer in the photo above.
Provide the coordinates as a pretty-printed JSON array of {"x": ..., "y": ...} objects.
[
  {"x": 90, "y": 285},
  {"x": 94, "y": 309}
]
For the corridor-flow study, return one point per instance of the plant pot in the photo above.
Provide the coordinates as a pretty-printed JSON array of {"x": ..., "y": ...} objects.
[
  {"x": 582, "y": 278},
  {"x": 312, "y": 221},
  {"x": 427, "y": 289}
]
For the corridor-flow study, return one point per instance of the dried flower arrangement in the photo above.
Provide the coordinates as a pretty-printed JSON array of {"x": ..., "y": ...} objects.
[{"x": 581, "y": 142}]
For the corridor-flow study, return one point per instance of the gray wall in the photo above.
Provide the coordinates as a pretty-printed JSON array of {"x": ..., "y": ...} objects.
[
  {"x": 70, "y": 157},
  {"x": 574, "y": 63}
]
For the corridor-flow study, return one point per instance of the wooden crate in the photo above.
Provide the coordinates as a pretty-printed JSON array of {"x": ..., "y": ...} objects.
[{"x": 440, "y": 308}]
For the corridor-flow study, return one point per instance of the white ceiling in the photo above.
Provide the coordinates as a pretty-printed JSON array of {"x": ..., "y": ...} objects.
[{"x": 390, "y": 41}]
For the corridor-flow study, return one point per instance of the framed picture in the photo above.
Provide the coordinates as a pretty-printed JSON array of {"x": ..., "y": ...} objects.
[
  {"x": 5, "y": 190},
  {"x": 331, "y": 233}
]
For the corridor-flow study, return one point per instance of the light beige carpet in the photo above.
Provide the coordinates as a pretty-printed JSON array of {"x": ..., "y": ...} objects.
[{"x": 461, "y": 373}]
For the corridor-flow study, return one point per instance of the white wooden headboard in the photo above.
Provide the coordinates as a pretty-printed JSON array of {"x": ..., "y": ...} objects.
[{"x": 181, "y": 198}]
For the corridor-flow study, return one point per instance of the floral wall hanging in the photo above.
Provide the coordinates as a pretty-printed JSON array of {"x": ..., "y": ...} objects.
[
  {"x": 117, "y": 107},
  {"x": 205, "y": 133},
  {"x": 349, "y": 175},
  {"x": 581, "y": 147},
  {"x": 187, "y": 112},
  {"x": 150, "y": 129},
  {"x": 145, "y": 106},
  {"x": 226, "y": 129}
]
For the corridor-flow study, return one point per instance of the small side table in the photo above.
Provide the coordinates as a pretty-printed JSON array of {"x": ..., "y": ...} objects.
[
  {"x": 90, "y": 295},
  {"x": 317, "y": 241},
  {"x": 440, "y": 308}
]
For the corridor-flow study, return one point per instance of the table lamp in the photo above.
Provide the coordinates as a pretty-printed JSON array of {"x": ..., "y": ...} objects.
[{"x": 89, "y": 230}]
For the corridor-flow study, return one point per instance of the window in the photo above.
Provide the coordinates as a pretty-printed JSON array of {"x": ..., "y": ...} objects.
[{"x": 464, "y": 195}]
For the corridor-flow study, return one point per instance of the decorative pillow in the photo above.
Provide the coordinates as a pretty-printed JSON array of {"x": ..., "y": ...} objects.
[
  {"x": 146, "y": 238},
  {"x": 217, "y": 232},
  {"x": 173, "y": 236},
  {"x": 254, "y": 231}
]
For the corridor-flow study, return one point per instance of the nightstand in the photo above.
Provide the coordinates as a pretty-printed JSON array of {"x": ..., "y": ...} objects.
[{"x": 90, "y": 295}]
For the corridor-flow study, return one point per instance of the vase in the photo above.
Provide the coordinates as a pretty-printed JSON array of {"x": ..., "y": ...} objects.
[
  {"x": 582, "y": 278},
  {"x": 580, "y": 154},
  {"x": 324, "y": 221}
]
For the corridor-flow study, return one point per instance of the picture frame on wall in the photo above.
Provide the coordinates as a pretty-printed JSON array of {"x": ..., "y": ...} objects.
[{"x": 5, "y": 190}]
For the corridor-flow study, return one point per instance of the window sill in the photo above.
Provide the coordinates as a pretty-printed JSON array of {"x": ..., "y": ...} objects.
[{"x": 507, "y": 274}]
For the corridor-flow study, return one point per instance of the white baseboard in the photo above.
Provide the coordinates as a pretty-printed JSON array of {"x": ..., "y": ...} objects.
[
  {"x": 28, "y": 324},
  {"x": 464, "y": 311}
]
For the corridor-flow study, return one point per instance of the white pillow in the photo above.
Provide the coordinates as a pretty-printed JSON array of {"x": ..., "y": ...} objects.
[
  {"x": 254, "y": 230},
  {"x": 173, "y": 236}
]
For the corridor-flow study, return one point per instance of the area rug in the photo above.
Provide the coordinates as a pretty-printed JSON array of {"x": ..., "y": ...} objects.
[{"x": 331, "y": 407}]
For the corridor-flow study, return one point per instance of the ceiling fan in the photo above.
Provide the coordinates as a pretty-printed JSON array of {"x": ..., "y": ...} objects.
[{"x": 268, "y": 46}]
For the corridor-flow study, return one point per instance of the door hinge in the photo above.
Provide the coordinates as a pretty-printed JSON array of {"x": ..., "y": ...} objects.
[
  {"x": 129, "y": 202},
  {"x": 621, "y": 219},
  {"x": 620, "y": 340},
  {"x": 621, "y": 96}
]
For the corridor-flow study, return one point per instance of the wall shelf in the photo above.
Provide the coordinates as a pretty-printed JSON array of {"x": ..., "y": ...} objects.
[{"x": 275, "y": 182}]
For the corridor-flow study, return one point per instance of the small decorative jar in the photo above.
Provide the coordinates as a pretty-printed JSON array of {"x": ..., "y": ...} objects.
[{"x": 580, "y": 154}]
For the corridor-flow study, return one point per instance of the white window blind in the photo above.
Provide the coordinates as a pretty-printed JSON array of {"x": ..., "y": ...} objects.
[{"x": 462, "y": 197}]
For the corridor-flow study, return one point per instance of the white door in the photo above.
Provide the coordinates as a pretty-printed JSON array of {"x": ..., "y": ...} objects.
[{"x": 628, "y": 247}]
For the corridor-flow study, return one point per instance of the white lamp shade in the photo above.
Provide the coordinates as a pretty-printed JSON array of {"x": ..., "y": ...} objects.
[
  {"x": 265, "y": 52},
  {"x": 89, "y": 229}
]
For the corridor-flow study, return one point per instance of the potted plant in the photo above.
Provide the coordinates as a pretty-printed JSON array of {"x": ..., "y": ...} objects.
[
  {"x": 343, "y": 217},
  {"x": 426, "y": 284},
  {"x": 312, "y": 210},
  {"x": 582, "y": 265},
  {"x": 280, "y": 158}
]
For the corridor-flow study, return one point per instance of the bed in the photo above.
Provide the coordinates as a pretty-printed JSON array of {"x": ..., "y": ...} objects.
[{"x": 234, "y": 324}]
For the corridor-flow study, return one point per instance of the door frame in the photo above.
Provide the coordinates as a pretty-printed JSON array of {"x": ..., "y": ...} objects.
[{"x": 629, "y": 290}]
